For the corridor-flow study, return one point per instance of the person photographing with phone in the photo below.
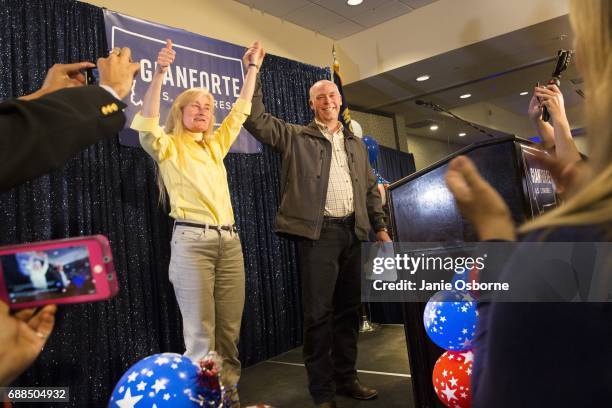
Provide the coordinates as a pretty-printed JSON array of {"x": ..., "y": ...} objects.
[
  {"x": 206, "y": 266},
  {"x": 34, "y": 139},
  {"x": 518, "y": 345},
  {"x": 41, "y": 131},
  {"x": 556, "y": 133}
]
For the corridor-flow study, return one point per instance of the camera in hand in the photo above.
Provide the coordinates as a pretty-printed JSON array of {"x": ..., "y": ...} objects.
[
  {"x": 564, "y": 57},
  {"x": 73, "y": 270}
]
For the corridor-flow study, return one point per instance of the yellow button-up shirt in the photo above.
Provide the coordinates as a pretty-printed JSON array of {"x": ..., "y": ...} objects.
[{"x": 198, "y": 191}]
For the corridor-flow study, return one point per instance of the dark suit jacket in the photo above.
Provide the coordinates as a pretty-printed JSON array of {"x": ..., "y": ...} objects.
[{"x": 41, "y": 135}]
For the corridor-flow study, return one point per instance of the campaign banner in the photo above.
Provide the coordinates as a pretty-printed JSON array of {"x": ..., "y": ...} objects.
[
  {"x": 201, "y": 62},
  {"x": 540, "y": 184}
]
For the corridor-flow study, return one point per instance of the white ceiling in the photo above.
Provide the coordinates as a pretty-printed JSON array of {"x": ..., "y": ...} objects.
[
  {"x": 494, "y": 71},
  {"x": 334, "y": 18}
]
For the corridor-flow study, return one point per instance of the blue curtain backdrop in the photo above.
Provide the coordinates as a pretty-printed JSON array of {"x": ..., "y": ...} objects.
[
  {"x": 110, "y": 189},
  {"x": 393, "y": 165}
]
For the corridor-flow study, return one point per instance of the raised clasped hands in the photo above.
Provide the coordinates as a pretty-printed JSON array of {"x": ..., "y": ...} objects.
[{"x": 253, "y": 55}]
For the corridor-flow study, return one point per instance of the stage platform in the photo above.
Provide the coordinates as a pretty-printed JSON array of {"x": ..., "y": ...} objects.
[{"x": 382, "y": 363}]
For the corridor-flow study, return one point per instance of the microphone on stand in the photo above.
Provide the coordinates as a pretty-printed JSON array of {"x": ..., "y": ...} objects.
[
  {"x": 438, "y": 108},
  {"x": 431, "y": 105}
]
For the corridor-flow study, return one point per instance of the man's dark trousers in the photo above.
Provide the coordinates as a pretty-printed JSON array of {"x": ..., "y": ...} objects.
[{"x": 331, "y": 297}]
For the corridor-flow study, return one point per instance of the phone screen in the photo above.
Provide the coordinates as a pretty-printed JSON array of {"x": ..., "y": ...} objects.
[
  {"x": 92, "y": 76},
  {"x": 47, "y": 274}
]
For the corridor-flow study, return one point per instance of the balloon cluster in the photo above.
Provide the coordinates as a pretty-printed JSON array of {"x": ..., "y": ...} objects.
[
  {"x": 372, "y": 149},
  {"x": 172, "y": 380},
  {"x": 450, "y": 321}
]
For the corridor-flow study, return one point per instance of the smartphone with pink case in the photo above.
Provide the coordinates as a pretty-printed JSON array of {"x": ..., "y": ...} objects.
[{"x": 72, "y": 270}]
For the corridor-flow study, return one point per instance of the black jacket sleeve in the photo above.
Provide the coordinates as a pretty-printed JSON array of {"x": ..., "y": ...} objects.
[
  {"x": 376, "y": 214},
  {"x": 267, "y": 128},
  {"x": 40, "y": 135}
]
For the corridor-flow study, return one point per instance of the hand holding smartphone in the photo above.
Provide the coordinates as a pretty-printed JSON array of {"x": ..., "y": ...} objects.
[
  {"x": 92, "y": 76},
  {"x": 73, "y": 270}
]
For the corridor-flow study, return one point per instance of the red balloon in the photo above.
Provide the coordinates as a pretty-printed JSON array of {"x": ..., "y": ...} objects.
[{"x": 451, "y": 378}]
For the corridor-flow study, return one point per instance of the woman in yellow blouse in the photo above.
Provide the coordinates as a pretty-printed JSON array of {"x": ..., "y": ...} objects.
[{"x": 206, "y": 266}]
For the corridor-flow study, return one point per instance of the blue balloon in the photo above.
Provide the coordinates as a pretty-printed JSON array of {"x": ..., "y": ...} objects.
[
  {"x": 380, "y": 179},
  {"x": 161, "y": 380},
  {"x": 372, "y": 147},
  {"x": 450, "y": 319}
]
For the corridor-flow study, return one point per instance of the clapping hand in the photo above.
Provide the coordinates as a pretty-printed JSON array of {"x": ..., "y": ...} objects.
[
  {"x": 478, "y": 202},
  {"x": 568, "y": 177}
]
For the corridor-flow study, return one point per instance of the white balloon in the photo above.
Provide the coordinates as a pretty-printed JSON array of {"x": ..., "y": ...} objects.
[{"x": 357, "y": 130}]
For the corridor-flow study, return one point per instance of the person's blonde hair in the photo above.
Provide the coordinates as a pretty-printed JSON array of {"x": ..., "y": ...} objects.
[
  {"x": 175, "y": 129},
  {"x": 592, "y": 25}
]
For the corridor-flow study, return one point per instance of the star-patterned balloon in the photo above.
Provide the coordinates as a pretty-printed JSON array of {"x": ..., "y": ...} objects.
[
  {"x": 450, "y": 319},
  {"x": 160, "y": 380},
  {"x": 380, "y": 180},
  {"x": 451, "y": 379}
]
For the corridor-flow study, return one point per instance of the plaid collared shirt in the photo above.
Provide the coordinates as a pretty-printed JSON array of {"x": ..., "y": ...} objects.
[{"x": 339, "y": 200}]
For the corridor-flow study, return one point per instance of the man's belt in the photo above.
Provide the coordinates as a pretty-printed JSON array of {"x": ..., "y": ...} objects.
[
  {"x": 217, "y": 228},
  {"x": 346, "y": 220}
]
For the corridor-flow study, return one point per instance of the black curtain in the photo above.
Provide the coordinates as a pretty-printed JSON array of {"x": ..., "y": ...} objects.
[
  {"x": 272, "y": 321},
  {"x": 110, "y": 189},
  {"x": 393, "y": 165}
]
